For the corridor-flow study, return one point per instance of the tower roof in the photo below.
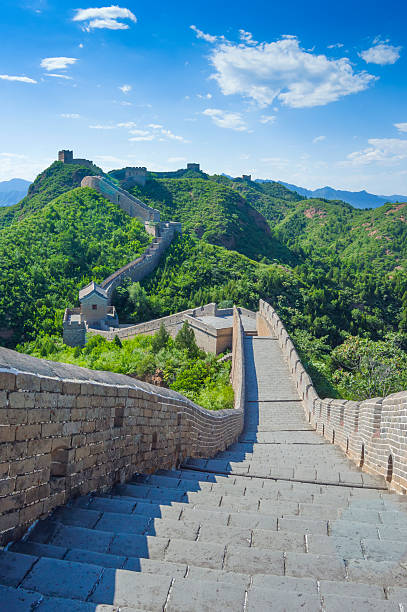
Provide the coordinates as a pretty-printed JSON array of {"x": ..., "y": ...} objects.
[{"x": 92, "y": 288}]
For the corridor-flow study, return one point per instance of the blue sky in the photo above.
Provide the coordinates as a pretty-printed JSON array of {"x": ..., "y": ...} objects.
[{"x": 284, "y": 90}]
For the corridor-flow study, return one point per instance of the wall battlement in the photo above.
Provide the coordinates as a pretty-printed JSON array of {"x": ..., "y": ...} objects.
[
  {"x": 371, "y": 432},
  {"x": 69, "y": 431},
  {"x": 66, "y": 157}
]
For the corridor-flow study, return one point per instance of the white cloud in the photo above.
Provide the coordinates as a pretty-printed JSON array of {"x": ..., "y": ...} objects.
[
  {"x": 57, "y": 63},
  {"x": 199, "y": 34},
  {"x": 100, "y": 126},
  {"x": 155, "y": 126},
  {"x": 105, "y": 17},
  {"x": 70, "y": 115},
  {"x": 139, "y": 132},
  {"x": 335, "y": 46},
  {"x": 282, "y": 70},
  {"x": 318, "y": 139},
  {"x": 207, "y": 96},
  {"x": 59, "y": 76},
  {"x": 224, "y": 119},
  {"x": 247, "y": 37},
  {"x": 125, "y": 88},
  {"x": 267, "y": 118},
  {"x": 381, "y": 54},
  {"x": 147, "y": 137},
  {"x": 381, "y": 150},
  {"x": 402, "y": 127},
  {"x": 127, "y": 124},
  {"x": 20, "y": 79}
]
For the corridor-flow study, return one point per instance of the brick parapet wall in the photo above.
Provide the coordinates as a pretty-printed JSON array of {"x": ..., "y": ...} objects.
[
  {"x": 67, "y": 431},
  {"x": 170, "y": 322},
  {"x": 372, "y": 433}
]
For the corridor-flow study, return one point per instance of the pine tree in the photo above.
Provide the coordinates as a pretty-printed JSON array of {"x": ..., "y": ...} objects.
[
  {"x": 160, "y": 339},
  {"x": 185, "y": 339}
]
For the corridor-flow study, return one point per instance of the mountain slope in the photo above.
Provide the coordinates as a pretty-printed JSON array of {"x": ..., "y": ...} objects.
[
  {"x": 52, "y": 182},
  {"x": 13, "y": 191},
  {"x": 48, "y": 255},
  {"x": 215, "y": 212}
]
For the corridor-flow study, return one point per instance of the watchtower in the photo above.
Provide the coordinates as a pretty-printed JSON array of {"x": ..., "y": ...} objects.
[
  {"x": 193, "y": 167},
  {"x": 246, "y": 177},
  {"x": 66, "y": 157}
]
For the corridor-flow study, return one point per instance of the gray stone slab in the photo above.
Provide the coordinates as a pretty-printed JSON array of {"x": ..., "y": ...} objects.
[
  {"x": 17, "y": 600},
  {"x": 339, "y": 603},
  {"x": 386, "y": 573},
  {"x": 205, "y": 597},
  {"x": 254, "y": 561},
  {"x": 94, "y": 558},
  {"x": 122, "y": 523},
  {"x": 105, "y": 504},
  {"x": 392, "y": 533},
  {"x": 38, "y": 550},
  {"x": 152, "y": 566},
  {"x": 278, "y": 508},
  {"x": 281, "y": 601},
  {"x": 278, "y": 540},
  {"x": 203, "y": 554},
  {"x": 341, "y": 547},
  {"x": 57, "y": 604},
  {"x": 300, "y": 525},
  {"x": 198, "y": 515},
  {"x": 352, "y": 529},
  {"x": 166, "y": 528},
  {"x": 77, "y": 517},
  {"x": 396, "y": 593},
  {"x": 14, "y": 566},
  {"x": 229, "y": 535},
  {"x": 78, "y": 537},
  {"x": 351, "y": 589},
  {"x": 147, "y": 547},
  {"x": 286, "y": 583},
  {"x": 63, "y": 578},
  {"x": 254, "y": 520},
  {"x": 207, "y": 574},
  {"x": 307, "y": 565},
  {"x": 385, "y": 550},
  {"x": 124, "y": 588},
  {"x": 158, "y": 511}
]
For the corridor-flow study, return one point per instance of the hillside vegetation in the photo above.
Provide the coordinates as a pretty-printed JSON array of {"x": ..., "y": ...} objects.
[
  {"x": 336, "y": 275},
  {"x": 52, "y": 182},
  {"x": 47, "y": 256},
  {"x": 216, "y": 213}
]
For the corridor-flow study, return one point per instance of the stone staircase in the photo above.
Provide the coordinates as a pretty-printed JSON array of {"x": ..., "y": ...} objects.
[{"x": 279, "y": 521}]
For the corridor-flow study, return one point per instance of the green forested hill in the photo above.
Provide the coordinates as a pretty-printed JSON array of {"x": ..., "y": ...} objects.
[
  {"x": 47, "y": 256},
  {"x": 215, "y": 212},
  {"x": 52, "y": 182},
  {"x": 336, "y": 275}
]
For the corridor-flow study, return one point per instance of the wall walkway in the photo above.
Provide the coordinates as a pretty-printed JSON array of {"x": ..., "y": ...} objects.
[{"x": 280, "y": 520}]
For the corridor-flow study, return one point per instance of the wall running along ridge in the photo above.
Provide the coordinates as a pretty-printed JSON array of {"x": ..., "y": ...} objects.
[
  {"x": 372, "y": 433},
  {"x": 68, "y": 431}
]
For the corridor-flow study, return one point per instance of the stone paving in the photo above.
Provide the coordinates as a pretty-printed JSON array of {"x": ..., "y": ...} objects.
[{"x": 279, "y": 521}]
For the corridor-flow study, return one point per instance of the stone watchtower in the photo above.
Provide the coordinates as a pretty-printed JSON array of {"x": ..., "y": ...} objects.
[
  {"x": 66, "y": 157},
  {"x": 193, "y": 167},
  {"x": 246, "y": 177}
]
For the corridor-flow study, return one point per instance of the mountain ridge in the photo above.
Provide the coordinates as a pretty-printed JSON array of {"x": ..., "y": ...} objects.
[
  {"x": 13, "y": 190},
  {"x": 358, "y": 199}
]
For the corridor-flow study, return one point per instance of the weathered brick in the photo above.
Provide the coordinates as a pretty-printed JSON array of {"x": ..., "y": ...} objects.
[
  {"x": 7, "y": 433},
  {"x": 21, "y": 399},
  {"x": 7, "y": 381},
  {"x": 27, "y": 382},
  {"x": 28, "y": 432}
]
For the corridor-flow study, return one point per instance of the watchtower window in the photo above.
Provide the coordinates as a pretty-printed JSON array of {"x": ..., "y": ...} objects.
[{"x": 94, "y": 306}]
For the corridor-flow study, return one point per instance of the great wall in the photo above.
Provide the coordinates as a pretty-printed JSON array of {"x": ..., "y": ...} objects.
[{"x": 118, "y": 495}]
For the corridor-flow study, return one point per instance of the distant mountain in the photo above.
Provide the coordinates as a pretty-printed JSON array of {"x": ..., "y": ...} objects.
[
  {"x": 358, "y": 199},
  {"x": 13, "y": 191}
]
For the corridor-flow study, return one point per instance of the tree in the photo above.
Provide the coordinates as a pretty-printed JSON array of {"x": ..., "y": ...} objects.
[
  {"x": 117, "y": 342},
  {"x": 160, "y": 339},
  {"x": 185, "y": 339}
]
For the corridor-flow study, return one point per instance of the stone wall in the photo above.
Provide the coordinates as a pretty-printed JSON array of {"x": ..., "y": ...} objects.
[
  {"x": 139, "y": 268},
  {"x": 208, "y": 338},
  {"x": 68, "y": 431},
  {"x": 128, "y": 203},
  {"x": 372, "y": 433}
]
